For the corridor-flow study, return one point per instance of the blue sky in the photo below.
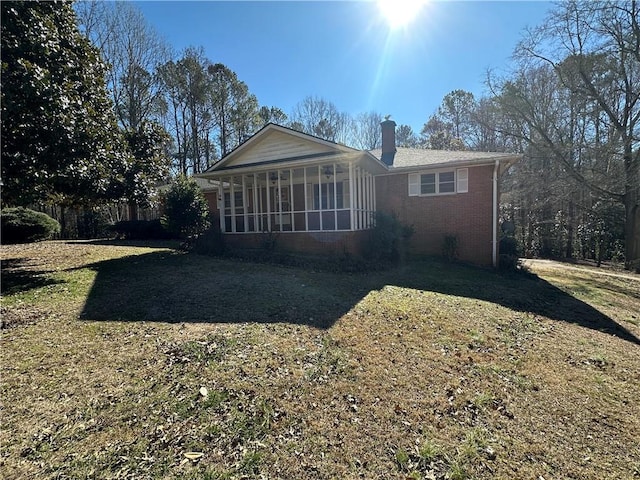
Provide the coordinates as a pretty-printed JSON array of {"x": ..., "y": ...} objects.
[{"x": 346, "y": 53}]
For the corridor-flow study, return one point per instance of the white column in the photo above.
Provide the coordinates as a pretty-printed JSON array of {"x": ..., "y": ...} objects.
[
  {"x": 221, "y": 206},
  {"x": 373, "y": 182},
  {"x": 279, "y": 200},
  {"x": 320, "y": 194},
  {"x": 255, "y": 202},
  {"x": 360, "y": 199},
  {"x": 356, "y": 182},
  {"x": 245, "y": 208},
  {"x": 367, "y": 194},
  {"x": 232, "y": 196},
  {"x": 335, "y": 198},
  {"x": 268, "y": 203},
  {"x": 352, "y": 197},
  {"x": 291, "y": 207},
  {"x": 369, "y": 200},
  {"x": 306, "y": 206},
  {"x": 260, "y": 209}
]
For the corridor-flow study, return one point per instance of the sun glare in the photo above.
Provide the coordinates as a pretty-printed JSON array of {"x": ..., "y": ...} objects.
[{"x": 399, "y": 13}]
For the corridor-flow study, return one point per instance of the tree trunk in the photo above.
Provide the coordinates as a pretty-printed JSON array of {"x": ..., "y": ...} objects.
[
  {"x": 63, "y": 222},
  {"x": 632, "y": 232},
  {"x": 631, "y": 200},
  {"x": 570, "y": 223},
  {"x": 133, "y": 211}
]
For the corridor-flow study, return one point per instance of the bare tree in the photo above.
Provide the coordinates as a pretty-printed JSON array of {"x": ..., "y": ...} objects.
[
  {"x": 366, "y": 132},
  {"x": 592, "y": 51},
  {"x": 319, "y": 117},
  {"x": 132, "y": 50}
]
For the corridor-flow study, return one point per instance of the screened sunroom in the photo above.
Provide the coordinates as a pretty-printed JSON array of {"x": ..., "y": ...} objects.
[
  {"x": 281, "y": 180},
  {"x": 332, "y": 196}
]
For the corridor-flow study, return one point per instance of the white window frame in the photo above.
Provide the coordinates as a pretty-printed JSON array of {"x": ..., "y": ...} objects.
[{"x": 460, "y": 182}]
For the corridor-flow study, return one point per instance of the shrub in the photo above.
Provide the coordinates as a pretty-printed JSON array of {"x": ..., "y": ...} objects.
[
  {"x": 509, "y": 246},
  {"x": 140, "y": 230},
  {"x": 23, "y": 225},
  {"x": 346, "y": 262},
  {"x": 509, "y": 250},
  {"x": 186, "y": 212},
  {"x": 388, "y": 239},
  {"x": 508, "y": 262},
  {"x": 450, "y": 247}
]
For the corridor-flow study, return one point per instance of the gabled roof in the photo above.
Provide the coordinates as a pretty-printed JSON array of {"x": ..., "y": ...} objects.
[
  {"x": 415, "y": 158},
  {"x": 275, "y": 146},
  {"x": 205, "y": 184},
  {"x": 275, "y": 143}
]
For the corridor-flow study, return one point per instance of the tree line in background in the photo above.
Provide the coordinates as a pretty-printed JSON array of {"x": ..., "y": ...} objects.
[
  {"x": 207, "y": 110},
  {"x": 104, "y": 111}
]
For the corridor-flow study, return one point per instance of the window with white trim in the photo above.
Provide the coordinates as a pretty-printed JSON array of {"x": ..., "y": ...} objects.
[{"x": 442, "y": 182}]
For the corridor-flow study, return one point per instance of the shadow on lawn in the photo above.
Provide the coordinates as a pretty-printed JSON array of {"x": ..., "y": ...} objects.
[
  {"x": 116, "y": 242},
  {"x": 176, "y": 287},
  {"x": 17, "y": 276}
]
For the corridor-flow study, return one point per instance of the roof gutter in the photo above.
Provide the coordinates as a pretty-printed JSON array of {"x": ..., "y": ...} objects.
[{"x": 494, "y": 247}]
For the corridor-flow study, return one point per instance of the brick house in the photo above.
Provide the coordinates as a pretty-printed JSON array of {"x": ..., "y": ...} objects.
[{"x": 320, "y": 197}]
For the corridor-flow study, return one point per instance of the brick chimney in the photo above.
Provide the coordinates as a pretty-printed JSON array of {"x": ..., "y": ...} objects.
[{"x": 388, "y": 141}]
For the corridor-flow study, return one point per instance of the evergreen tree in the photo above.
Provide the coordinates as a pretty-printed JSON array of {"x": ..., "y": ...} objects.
[{"x": 60, "y": 139}]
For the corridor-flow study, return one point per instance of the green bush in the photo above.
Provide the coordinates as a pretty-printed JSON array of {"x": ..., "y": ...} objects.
[
  {"x": 186, "y": 212},
  {"x": 92, "y": 223},
  {"x": 346, "y": 262},
  {"x": 23, "y": 225},
  {"x": 388, "y": 240},
  {"x": 140, "y": 230},
  {"x": 509, "y": 246},
  {"x": 509, "y": 254}
]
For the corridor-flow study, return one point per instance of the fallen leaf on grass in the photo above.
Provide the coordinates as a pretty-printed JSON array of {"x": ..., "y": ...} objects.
[{"x": 193, "y": 455}]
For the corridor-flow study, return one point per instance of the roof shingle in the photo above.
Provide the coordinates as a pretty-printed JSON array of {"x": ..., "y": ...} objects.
[{"x": 419, "y": 157}]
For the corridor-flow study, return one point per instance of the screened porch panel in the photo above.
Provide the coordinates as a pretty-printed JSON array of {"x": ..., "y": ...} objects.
[{"x": 326, "y": 197}]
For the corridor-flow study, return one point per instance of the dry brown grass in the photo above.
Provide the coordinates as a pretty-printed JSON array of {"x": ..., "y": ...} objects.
[{"x": 429, "y": 371}]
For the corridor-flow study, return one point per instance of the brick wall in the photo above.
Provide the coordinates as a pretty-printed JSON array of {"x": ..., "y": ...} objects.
[
  {"x": 212, "y": 200},
  {"x": 466, "y": 215},
  {"x": 316, "y": 243}
]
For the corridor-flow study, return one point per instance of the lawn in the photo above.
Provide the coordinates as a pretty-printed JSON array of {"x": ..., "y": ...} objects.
[{"x": 139, "y": 361}]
